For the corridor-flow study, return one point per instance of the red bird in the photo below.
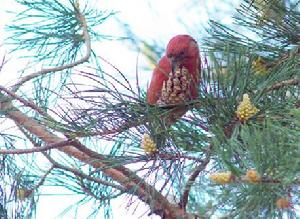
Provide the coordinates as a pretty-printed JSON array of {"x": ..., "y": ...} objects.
[{"x": 176, "y": 78}]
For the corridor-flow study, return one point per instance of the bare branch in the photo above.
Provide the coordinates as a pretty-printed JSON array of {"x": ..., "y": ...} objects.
[
  {"x": 281, "y": 84},
  {"x": 42, "y": 180},
  {"x": 3, "y": 62},
  {"x": 264, "y": 181},
  {"x": 191, "y": 180},
  {"x": 36, "y": 149},
  {"x": 178, "y": 156},
  {"x": 87, "y": 190}
]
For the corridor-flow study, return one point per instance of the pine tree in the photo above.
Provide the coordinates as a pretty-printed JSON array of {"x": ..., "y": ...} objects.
[{"x": 235, "y": 154}]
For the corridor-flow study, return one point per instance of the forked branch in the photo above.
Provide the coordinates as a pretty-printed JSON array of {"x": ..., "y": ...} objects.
[{"x": 124, "y": 176}]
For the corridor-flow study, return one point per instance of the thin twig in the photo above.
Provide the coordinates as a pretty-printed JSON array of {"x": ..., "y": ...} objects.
[
  {"x": 83, "y": 175},
  {"x": 87, "y": 40},
  {"x": 168, "y": 156},
  {"x": 265, "y": 181},
  {"x": 36, "y": 149},
  {"x": 88, "y": 191},
  {"x": 191, "y": 180},
  {"x": 3, "y": 62},
  {"x": 25, "y": 102},
  {"x": 281, "y": 84},
  {"x": 122, "y": 75},
  {"x": 42, "y": 180}
]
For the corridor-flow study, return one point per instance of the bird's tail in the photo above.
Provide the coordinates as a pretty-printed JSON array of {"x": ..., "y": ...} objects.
[{"x": 160, "y": 129}]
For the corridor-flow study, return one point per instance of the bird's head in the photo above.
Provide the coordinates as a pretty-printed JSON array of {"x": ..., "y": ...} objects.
[{"x": 181, "y": 49}]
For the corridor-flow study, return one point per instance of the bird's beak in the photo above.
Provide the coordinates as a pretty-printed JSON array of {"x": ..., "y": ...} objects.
[{"x": 173, "y": 63}]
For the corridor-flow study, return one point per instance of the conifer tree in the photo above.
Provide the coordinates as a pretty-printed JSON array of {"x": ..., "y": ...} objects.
[{"x": 234, "y": 154}]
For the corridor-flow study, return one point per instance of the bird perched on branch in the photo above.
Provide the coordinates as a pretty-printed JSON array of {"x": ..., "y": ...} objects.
[{"x": 175, "y": 80}]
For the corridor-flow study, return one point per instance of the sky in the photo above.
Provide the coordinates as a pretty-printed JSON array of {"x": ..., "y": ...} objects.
[{"x": 156, "y": 19}]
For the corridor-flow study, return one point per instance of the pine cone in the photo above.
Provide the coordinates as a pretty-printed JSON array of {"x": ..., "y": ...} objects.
[
  {"x": 148, "y": 145},
  {"x": 283, "y": 203},
  {"x": 246, "y": 109},
  {"x": 252, "y": 176},
  {"x": 176, "y": 89},
  {"x": 222, "y": 177}
]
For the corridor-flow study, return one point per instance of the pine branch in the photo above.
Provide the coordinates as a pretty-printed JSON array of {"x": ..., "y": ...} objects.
[
  {"x": 106, "y": 132},
  {"x": 184, "y": 199},
  {"x": 37, "y": 149},
  {"x": 167, "y": 156},
  {"x": 85, "y": 58},
  {"x": 88, "y": 191},
  {"x": 82, "y": 175},
  {"x": 3, "y": 62},
  {"x": 157, "y": 202},
  {"x": 282, "y": 84},
  {"x": 264, "y": 180},
  {"x": 43, "y": 178},
  {"x": 22, "y": 100}
]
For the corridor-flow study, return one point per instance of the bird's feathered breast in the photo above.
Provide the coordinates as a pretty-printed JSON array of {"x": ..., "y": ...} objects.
[{"x": 160, "y": 74}]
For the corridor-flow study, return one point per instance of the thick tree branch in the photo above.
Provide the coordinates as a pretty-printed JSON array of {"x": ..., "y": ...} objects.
[{"x": 157, "y": 202}]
